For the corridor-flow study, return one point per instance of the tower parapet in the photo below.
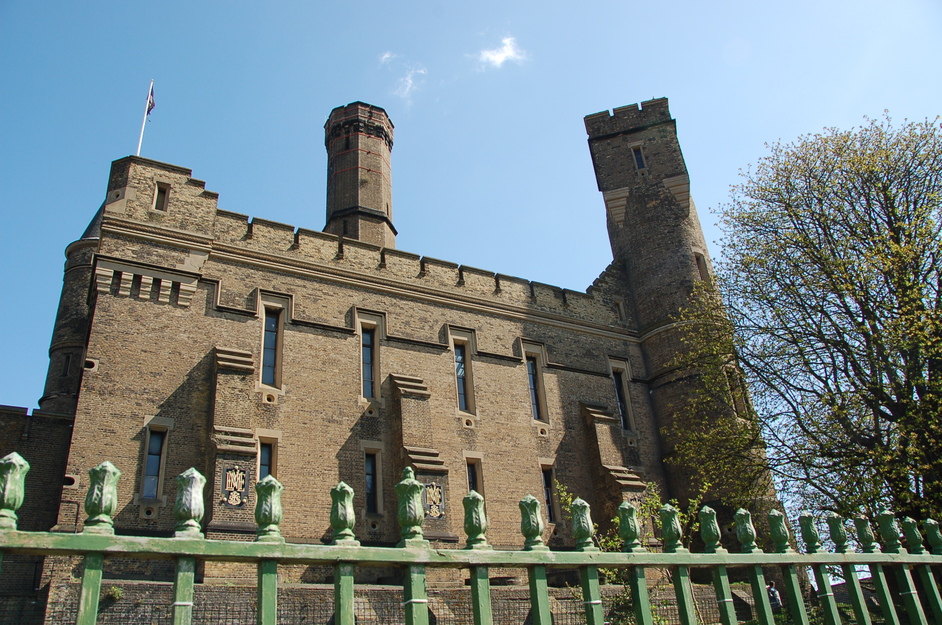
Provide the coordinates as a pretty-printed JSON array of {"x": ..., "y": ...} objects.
[{"x": 359, "y": 140}]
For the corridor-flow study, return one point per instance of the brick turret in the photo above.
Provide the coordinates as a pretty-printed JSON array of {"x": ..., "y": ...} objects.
[{"x": 359, "y": 140}]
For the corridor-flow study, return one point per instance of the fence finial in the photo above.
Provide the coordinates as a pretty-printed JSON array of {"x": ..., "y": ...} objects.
[
  {"x": 865, "y": 534},
  {"x": 342, "y": 515},
  {"x": 889, "y": 532},
  {"x": 188, "y": 509},
  {"x": 410, "y": 512},
  {"x": 913, "y": 537},
  {"x": 836, "y": 531},
  {"x": 13, "y": 469},
  {"x": 268, "y": 512},
  {"x": 475, "y": 523},
  {"x": 745, "y": 531},
  {"x": 582, "y": 527},
  {"x": 102, "y": 499},
  {"x": 778, "y": 528},
  {"x": 933, "y": 535},
  {"x": 809, "y": 532},
  {"x": 670, "y": 529},
  {"x": 709, "y": 530},
  {"x": 531, "y": 524},
  {"x": 629, "y": 529}
]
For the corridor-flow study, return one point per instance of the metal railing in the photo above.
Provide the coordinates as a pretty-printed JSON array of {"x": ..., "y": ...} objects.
[{"x": 904, "y": 581}]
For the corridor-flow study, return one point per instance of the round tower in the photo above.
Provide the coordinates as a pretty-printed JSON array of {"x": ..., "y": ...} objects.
[
  {"x": 656, "y": 236},
  {"x": 359, "y": 140},
  {"x": 69, "y": 336}
]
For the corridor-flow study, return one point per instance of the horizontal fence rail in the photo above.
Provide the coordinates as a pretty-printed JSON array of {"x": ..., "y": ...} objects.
[{"x": 903, "y": 577}]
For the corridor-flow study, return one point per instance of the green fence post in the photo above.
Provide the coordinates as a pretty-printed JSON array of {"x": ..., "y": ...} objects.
[
  {"x": 268, "y": 515},
  {"x": 629, "y": 530},
  {"x": 868, "y": 545},
  {"x": 889, "y": 533},
  {"x": 101, "y": 502},
  {"x": 778, "y": 528},
  {"x": 475, "y": 527},
  {"x": 531, "y": 526},
  {"x": 746, "y": 533},
  {"x": 342, "y": 520},
  {"x": 411, "y": 516},
  {"x": 188, "y": 510},
  {"x": 710, "y": 533},
  {"x": 91, "y": 589},
  {"x": 838, "y": 536},
  {"x": 183, "y": 591},
  {"x": 583, "y": 530},
  {"x": 671, "y": 533},
  {"x": 926, "y": 579},
  {"x": 809, "y": 534},
  {"x": 343, "y": 594}
]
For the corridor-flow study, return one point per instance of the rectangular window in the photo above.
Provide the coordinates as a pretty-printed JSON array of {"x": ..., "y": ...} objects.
[
  {"x": 371, "y": 471},
  {"x": 368, "y": 343},
  {"x": 270, "y": 347},
  {"x": 639, "y": 157},
  {"x": 474, "y": 482},
  {"x": 536, "y": 391},
  {"x": 266, "y": 452},
  {"x": 152, "y": 463},
  {"x": 66, "y": 365},
  {"x": 461, "y": 376},
  {"x": 549, "y": 494},
  {"x": 161, "y": 196}
]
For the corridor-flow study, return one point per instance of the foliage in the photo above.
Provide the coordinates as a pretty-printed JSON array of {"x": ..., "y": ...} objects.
[
  {"x": 831, "y": 301},
  {"x": 114, "y": 593}
]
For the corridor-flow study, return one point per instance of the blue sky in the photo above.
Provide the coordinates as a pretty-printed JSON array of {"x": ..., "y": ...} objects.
[{"x": 490, "y": 164}]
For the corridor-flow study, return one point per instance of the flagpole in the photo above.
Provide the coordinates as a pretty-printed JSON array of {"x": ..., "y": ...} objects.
[{"x": 146, "y": 111}]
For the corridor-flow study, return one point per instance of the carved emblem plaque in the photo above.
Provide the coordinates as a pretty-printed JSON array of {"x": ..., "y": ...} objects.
[
  {"x": 433, "y": 499},
  {"x": 233, "y": 492}
]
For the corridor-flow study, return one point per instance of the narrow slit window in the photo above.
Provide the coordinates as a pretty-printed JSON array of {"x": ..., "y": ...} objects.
[
  {"x": 473, "y": 482},
  {"x": 702, "y": 267},
  {"x": 622, "y": 399},
  {"x": 549, "y": 494},
  {"x": 155, "y": 448},
  {"x": 533, "y": 377},
  {"x": 639, "y": 157},
  {"x": 368, "y": 342},
  {"x": 265, "y": 458},
  {"x": 372, "y": 483},
  {"x": 270, "y": 347},
  {"x": 461, "y": 376}
]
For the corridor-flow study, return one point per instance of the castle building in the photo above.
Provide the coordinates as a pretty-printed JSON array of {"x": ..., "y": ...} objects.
[{"x": 189, "y": 336}]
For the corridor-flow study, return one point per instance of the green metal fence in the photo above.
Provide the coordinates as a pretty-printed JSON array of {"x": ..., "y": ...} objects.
[{"x": 904, "y": 580}]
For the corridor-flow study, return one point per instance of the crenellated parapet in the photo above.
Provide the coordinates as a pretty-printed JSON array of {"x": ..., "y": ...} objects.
[{"x": 263, "y": 242}]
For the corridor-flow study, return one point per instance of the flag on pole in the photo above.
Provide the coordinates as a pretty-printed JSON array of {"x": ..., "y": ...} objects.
[
  {"x": 150, "y": 99},
  {"x": 147, "y": 109}
]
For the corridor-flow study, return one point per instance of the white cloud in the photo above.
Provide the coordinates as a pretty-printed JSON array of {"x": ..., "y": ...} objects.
[
  {"x": 386, "y": 57},
  {"x": 408, "y": 83},
  {"x": 508, "y": 51}
]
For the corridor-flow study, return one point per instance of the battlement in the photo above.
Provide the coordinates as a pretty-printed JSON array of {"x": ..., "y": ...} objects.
[
  {"x": 302, "y": 247},
  {"x": 627, "y": 118}
]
